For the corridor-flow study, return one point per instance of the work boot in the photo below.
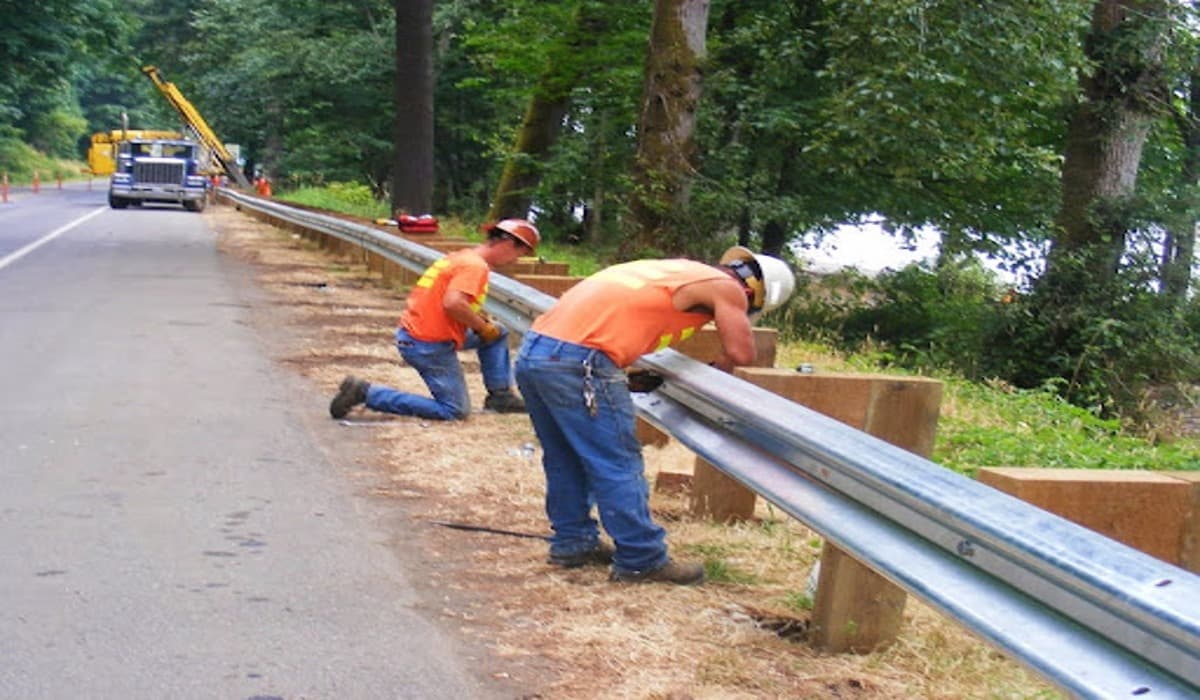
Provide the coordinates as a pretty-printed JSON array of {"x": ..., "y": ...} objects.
[
  {"x": 671, "y": 572},
  {"x": 601, "y": 554},
  {"x": 504, "y": 401},
  {"x": 351, "y": 393}
]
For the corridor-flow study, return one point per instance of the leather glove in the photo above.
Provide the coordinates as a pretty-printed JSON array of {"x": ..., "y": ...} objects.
[
  {"x": 490, "y": 333},
  {"x": 643, "y": 380}
]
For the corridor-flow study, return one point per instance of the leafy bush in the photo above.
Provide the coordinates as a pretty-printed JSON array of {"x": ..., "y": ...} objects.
[
  {"x": 916, "y": 317},
  {"x": 820, "y": 306},
  {"x": 1101, "y": 344},
  {"x": 19, "y": 160},
  {"x": 929, "y": 318}
]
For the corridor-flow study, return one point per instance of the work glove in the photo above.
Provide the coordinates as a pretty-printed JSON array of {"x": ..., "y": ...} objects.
[
  {"x": 643, "y": 380},
  {"x": 490, "y": 333}
]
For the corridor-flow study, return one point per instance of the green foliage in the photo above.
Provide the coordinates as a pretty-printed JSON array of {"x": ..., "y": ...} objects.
[
  {"x": 798, "y": 602},
  {"x": 42, "y": 53},
  {"x": 918, "y": 317},
  {"x": 951, "y": 113},
  {"x": 930, "y": 318},
  {"x": 19, "y": 161},
  {"x": 994, "y": 425},
  {"x": 821, "y": 304},
  {"x": 581, "y": 263},
  {"x": 55, "y": 132},
  {"x": 348, "y": 198},
  {"x": 1101, "y": 343},
  {"x": 716, "y": 568},
  {"x": 592, "y": 52}
]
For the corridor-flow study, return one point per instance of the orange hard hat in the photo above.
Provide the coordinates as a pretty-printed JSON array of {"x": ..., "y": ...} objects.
[{"x": 519, "y": 229}]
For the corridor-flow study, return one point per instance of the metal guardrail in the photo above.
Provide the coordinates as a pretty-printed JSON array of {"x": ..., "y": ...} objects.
[{"x": 1091, "y": 615}]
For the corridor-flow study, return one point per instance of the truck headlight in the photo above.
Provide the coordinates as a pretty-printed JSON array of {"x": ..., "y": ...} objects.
[{"x": 196, "y": 181}]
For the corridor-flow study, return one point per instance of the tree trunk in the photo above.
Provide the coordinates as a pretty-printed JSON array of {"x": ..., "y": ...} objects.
[
  {"x": 522, "y": 172},
  {"x": 1106, "y": 133},
  {"x": 544, "y": 116},
  {"x": 663, "y": 166},
  {"x": 1179, "y": 248},
  {"x": 412, "y": 171},
  {"x": 594, "y": 213}
]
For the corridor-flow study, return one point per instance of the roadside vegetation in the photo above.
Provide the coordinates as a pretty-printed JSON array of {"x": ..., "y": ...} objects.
[{"x": 20, "y": 161}]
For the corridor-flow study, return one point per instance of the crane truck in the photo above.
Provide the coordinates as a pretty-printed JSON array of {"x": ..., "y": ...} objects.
[{"x": 163, "y": 166}]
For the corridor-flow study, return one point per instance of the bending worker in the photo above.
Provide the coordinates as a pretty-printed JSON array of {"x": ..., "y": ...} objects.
[
  {"x": 444, "y": 315},
  {"x": 570, "y": 371}
]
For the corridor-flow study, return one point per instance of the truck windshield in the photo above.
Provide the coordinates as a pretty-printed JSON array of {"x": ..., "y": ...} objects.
[{"x": 162, "y": 150}]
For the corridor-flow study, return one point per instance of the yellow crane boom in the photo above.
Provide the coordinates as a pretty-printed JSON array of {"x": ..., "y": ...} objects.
[{"x": 196, "y": 122}]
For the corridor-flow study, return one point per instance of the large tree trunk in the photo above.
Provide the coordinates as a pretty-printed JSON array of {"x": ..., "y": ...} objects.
[
  {"x": 522, "y": 172},
  {"x": 412, "y": 171},
  {"x": 1106, "y": 133},
  {"x": 544, "y": 116},
  {"x": 663, "y": 168},
  {"x": 1179, "y": 248}
]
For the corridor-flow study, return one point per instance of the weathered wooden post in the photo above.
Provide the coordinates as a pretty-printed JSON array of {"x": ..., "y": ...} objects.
[
  {"x": 1155, "y": 512},
  {"x": 855, "y": 609}
]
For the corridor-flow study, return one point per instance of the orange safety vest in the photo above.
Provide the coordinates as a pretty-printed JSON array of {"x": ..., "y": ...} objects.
[
  {"x": 263, "y": 186},
  {"x": 626, "y": 310},
  {"x": 425, "y": 316}
]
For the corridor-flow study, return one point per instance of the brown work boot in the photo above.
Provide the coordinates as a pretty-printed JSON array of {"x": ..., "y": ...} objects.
[
  {"x": 504, "y": 401},
  {"x": 671, "y": 572},
  {"x": 601, "y": 554},
  {"x": 351, "y": 393}
]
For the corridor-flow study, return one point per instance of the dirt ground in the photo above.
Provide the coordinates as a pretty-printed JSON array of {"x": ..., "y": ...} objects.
[{"x": 572, "y": 634}]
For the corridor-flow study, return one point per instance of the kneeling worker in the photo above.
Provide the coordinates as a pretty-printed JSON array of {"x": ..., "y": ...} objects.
[
  {"x": 444, "y": 315},
  {"x": 570, "y": 371}
]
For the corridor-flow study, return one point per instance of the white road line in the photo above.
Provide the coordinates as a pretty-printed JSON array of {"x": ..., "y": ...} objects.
[{"x": 22, "y": 252}]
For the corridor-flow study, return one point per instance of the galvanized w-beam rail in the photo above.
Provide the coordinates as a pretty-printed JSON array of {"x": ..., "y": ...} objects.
[{"x": 1093, "y": 616}]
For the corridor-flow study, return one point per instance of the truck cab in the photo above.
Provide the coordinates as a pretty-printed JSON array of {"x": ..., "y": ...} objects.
[{"x": 158, "y": 170}]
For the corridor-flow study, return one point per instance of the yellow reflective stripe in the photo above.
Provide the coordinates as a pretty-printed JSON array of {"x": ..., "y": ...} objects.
[
  {"x": 478, "y": 304},
  {"x": 619, "y": 277},
  {"x": 635, "y": 275},
  {"x": 665, "y": 341},
  {"x": 432, "y": 273}
]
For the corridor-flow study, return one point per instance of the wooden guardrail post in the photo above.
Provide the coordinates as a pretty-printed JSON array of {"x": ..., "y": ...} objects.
[
  {"x": 1154, "y": 512},
  {"x": 714, "y": 495},
  {"x": 855, "y": 609}
]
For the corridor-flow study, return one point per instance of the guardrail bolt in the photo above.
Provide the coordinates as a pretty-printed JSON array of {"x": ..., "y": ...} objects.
[{"x": 965, "y": 548}]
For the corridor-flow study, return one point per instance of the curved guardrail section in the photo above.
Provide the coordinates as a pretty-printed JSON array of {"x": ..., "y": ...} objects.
[{"x": 1093, "y": 616}]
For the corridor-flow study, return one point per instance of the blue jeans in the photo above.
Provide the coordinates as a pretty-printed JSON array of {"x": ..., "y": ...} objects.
[
  {"x": 438, "y": 365},
  {"x": 589, "y": 458}
]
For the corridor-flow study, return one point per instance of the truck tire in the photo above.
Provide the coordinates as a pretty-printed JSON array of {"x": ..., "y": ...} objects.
[
  {"x": 194, "y": 205},
  {"x": 117, "y": 202}
]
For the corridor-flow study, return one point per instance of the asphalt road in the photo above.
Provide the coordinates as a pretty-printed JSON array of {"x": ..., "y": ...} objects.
[{"x": 168, "y": 527}]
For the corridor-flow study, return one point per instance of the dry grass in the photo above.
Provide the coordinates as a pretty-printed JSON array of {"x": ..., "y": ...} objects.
[{"x": 571, "y": 634}]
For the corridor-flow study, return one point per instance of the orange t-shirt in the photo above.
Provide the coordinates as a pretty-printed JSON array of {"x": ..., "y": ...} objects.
[
  {"x": 626, "y": 310},
  {"x": 425, "y": 317}
]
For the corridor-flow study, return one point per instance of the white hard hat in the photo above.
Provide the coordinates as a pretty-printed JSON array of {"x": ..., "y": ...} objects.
[{"x": 768, "y": 277}]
